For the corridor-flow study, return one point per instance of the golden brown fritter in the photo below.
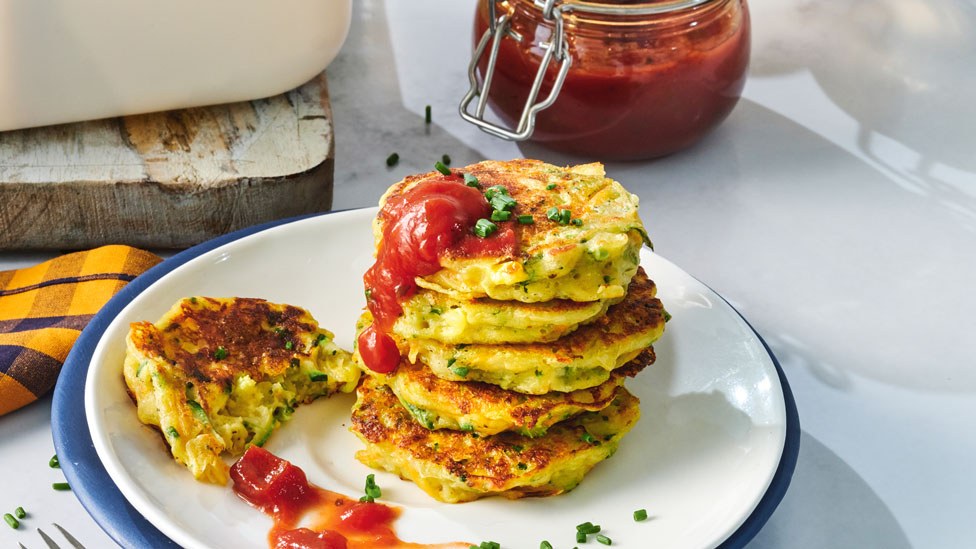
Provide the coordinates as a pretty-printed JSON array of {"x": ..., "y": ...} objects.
[
  {"x": 488, "y": 409},
  {"x": 581, "y": 359},
  {"x": 215, "y": 374},
  {"x": 456, "y": 466},
  {"x": 588, "y": 260}
]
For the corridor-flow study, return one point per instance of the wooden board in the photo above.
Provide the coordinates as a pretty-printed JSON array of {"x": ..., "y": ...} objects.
[{"x": 170, "y": 179}]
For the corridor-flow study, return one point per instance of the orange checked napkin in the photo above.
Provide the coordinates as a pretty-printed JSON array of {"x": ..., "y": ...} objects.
[{"x": 44, "y": 308}]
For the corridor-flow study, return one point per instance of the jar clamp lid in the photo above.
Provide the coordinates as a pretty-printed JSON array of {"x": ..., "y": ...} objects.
[{"x": 555, "y": 49}]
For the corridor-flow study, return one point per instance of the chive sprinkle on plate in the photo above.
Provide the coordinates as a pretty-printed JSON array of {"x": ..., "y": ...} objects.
[
  {"x": 439, "y": 166},
  {"x": 392, "y": 159}
]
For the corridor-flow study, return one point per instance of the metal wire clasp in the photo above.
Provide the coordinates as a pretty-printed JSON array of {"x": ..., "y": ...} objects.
[{"x": 500, "y": 28}]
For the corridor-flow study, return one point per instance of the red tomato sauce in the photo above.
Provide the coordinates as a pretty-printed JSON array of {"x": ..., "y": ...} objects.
[
  {"x": 421, "y": 224},
  {"x": 628, "y": 94},
  {"x": 281, "y": 490}
]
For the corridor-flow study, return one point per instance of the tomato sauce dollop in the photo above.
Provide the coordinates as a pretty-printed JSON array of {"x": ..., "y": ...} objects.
[
  {"x": 421, "y": 224},
  {"x": 281, "y": 490}
]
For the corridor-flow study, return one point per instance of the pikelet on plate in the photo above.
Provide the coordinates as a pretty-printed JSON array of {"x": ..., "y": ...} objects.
[{"x": 500, "y": 328}]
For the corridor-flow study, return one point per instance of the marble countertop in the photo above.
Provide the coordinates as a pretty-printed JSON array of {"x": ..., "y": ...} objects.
[{"x": 835, "y": 209}]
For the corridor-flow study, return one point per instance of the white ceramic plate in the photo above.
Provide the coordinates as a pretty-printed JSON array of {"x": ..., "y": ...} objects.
[{"x": 709, "y": 441}]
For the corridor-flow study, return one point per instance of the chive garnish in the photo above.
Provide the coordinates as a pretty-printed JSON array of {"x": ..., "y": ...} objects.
[
  {"x": 580, "y": 537},
  {"x": 604, "y": 540},
  {"x": 640, "y": 515},
  {"x": 565, "y": 216},
  {"x": 61, "y": 486},
  {"x": 446, "y": 159},
  {"x": 667, "y": 316},
  {"x": 553, "y": 214},
  {"x": 606, "y": 280},
  {"x": 369, "y": 293},
  {"x": 503, "y": 202},
  {"x": 545, "y": 545},
  {"x": 220, "y": 353},
  {"x": 172, "y": 432},
  {"x": 451, "y": 361},
  {"x": 289, "y": 345},
  {"x": 392, "y": 160},
  {"x": 588, "y": 438},
  {"x": 372, "y": 490},
  {"x": 588, "y": 528},
  {"x": 500, "y": 215},
  {"x": 470, "y": 180},
  {"x": 20, "y": 513},
  {"x": 54, "y": 463},
  {"x": 461, "y": 371},
  {"x": 11, "y": 521},
  {"x": 578, "y": 222},
  {"x": 439, "y": 166},
  {"x": 550, "y": 186},
  {"x": 526, "y": 219},
  {"x": 484, "y": 228},
  {"x": 495, "y": 190},
  {"x": 427, "y": 114},
  {"x": 522, "y": 466}
]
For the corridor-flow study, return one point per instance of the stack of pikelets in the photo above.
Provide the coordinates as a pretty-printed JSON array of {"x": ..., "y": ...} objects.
[{"x": 511, "y": 376}]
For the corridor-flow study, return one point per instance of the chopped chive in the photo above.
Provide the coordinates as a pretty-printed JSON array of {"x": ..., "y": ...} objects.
[
  {"x": 522, "y": 466},
  {"x": 172, "y": 432},
  {"x": 451, "y": 361},
  {"x": 470, "y": 180},
  {"x": 588, "y": 438},
  {"x": 372, "y": 490},
  {"x": 495, "y": 190},
  {"x": 369, "y": 293},
  {"x": 220, "y": 353},
  {"x": 667, "y": 316},
  {"x": 11, "y": 521},
  {"x": 461, "y": 371},
  {"x": 606, "y": 280},
  {"x": 640, "y": 515},
  {"x": 550, "y": 186},
  {"x": 580, "y": 537},
  {"x": 20, "y": 513},
  {"x": 289, "y": 345},
  {"x": 367, "y": 499},
  {"x": 436, "y": 311},
  {"x": 392, "y": 160},
  {"x": 198, "y": 412},
  {"x": 500, "y": 215},
  {"x": 446, "y": 159},
  {"x": 526, "y": 219},
  {"x": 588, "y": 528},
  {"x": 578, "y": 222},
  {"x": 318, "y": 376},
  {"x": 517, "y": 448},
  {"x": 54, "y": 463},
  {"x": 61, "y": 486},
  {"x": 427, "y": 114},
  {"x": 439, "y": 166},
  {"x": 484, "y": 228},
  {"x": 565, "y": 216},
  {"x": 604, "y": 540},
  {"x": 295, "y": 362},
  {"x": 503, "y": 202},
  {"x": 545, "y": 545},
  {"x": 553, "y": 214}
]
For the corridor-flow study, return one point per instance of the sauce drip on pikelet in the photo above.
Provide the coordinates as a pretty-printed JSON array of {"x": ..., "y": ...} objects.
[{"x": 422, "y": 224}]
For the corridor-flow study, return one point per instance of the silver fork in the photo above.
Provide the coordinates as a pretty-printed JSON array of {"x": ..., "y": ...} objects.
[{"x": 51, "y": 543}]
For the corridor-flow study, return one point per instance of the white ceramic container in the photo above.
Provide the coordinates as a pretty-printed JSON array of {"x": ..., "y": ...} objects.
[{"x": 71, "y": 60}]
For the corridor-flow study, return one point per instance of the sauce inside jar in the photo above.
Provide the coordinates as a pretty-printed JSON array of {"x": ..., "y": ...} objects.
[
  {"x": 281, "y": 490},
  {"x": 640, "y": 86}
]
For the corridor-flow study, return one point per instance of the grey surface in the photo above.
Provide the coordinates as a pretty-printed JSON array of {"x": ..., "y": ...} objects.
[{"x": 835, "y": 208}]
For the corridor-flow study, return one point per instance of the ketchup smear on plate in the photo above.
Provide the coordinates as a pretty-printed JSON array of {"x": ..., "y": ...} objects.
[
  {"x": 422, "y": 224},
  {"x": 281, "y": 490}
]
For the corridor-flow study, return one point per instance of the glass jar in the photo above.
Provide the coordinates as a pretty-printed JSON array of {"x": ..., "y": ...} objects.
[{"x": 637, "y": 85}]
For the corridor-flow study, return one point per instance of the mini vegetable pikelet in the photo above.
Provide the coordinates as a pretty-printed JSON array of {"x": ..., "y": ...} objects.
[
  {"x": 217, "y": 374},
  {"x": 456, "y": 466}
]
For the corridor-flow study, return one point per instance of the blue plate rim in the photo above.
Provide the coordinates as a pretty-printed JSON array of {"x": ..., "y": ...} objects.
[{"x": 102, "y": 499}]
